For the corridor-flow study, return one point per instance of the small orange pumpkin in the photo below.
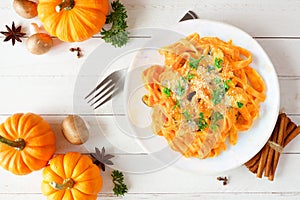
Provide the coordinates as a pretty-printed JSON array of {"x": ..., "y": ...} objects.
[
  {"x": 71, "y": 176},
  {"x": 26, "y": 143},
  {"x": 73, "y": 20}
]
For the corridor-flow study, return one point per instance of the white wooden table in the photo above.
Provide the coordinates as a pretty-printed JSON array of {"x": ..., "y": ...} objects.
[{"x": 45, "y": 85}]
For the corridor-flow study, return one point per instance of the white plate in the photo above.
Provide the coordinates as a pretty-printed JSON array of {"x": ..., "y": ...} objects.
[{"x": 249, "y": 142}]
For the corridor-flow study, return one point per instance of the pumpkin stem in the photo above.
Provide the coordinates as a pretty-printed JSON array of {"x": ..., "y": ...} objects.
[
  {"x": 19, "y": 144},
  {"x": 65, "y": 4},
  {"x": 68, "y": 183}
]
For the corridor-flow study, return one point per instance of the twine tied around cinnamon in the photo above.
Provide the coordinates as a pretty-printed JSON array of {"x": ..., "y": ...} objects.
[{"x": 277, "y": 147}]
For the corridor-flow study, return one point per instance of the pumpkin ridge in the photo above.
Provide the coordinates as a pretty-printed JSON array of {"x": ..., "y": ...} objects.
[
  {"x": 57, "y": 167},
  {"x": 9, "y": 130},
  {"x": 96, "y": 10},
  {"x": 83, "y": 162},
  {"x": 45, "y": 139},
  {"x": 73, "y": 161},
  {"x": 103, "y": 6},
  {"x": 21, "y": 168},
  {"x": 39, "y": 153},
  {"x": 79, "y": 195},
  {"x": 27, "y": 121},
  {"x": 63, "y": 27},
  {"x": 54, "y": 195},
  {"x": 50, "y": 175},
  {"x": 95, "y": 186},
  {"x": 67, "y": 195},
  {"x": 5, "y": 134},
  {"x": 83, "y": 28},
  {"x": 92, "y": 168},
  {"x": 36, "y": 131},
  {"x": 14, "y": 123},
  {"x": 83, "y": 16},
  {"x": 74, "y": 188},
  {"x": 6, "y": 156},
  {"x": 49, "y": 25},
  {"x": 31, "y": 162}
]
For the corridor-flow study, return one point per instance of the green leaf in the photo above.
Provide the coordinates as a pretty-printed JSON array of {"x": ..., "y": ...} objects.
[
  {"x": 239, "y": 104},
  {"x": 177, "y": 104},
  {"x": 202, "y": 124},
  {"x": 187, "y": 115},
  {"x": 167, "y": 92},
  {"x": 210, "y": 68},
  {"x": 180, "y": 89},
  {"x": 215, "y": 117},
  {"x": 118, "y": 179},
  {"x": 117, "y": 35},
  {"x": 226, "y": 86},
  {"x": 217, "y": 95},
  {"x": 218, "y": 63},
  {"x": 189, "y": 76},
  {"x": 217, "y": 80},
  {"x": 194, "y": 63},
  {"x": 214, "y": 127}
]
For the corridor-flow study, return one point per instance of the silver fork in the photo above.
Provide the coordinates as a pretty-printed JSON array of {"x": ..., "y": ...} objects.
[
  {"x": 114, "y": 82},
  {"x": 106, "y": 89}
]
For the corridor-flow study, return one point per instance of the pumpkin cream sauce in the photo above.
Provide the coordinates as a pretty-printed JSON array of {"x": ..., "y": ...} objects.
[{"x": 205, "y": 93}]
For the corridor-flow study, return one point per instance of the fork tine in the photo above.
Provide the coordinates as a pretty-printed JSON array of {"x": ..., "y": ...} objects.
[
  {"x": 98, "y": 86},
  {"x": 101, "y": 91},
  {"x": 109, "y": 87},
  {"x": 108, "y": 97},
  {"x": 104, "y": 101},
  {"x": 109, "y": 90}
]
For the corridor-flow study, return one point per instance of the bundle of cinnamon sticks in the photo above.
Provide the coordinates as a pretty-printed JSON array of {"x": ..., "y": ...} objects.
[{"x": 266, "y": 160}]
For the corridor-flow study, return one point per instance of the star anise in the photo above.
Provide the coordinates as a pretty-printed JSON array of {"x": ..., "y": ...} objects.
[
  {"x": 101, "y": 159},
  {"x": 13, "y": 34}
]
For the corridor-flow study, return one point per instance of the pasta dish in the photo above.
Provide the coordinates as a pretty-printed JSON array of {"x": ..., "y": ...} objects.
[{"x": 204, "y": 95}]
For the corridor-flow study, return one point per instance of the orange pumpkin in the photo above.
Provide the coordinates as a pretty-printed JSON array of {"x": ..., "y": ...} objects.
[
  {"x": 73, "y": 20},
  {"x": 71, "y": 176},
  {"x": 26, "y": 143}
]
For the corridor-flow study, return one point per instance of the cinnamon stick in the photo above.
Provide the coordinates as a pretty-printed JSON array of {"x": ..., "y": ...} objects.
[
  {"x": 252, "y": 164},
  {"x": 291, "y": 136},
  {"x": 269, "y": 163},
  {"x": 280, "y": 141},
  {"x": 253, "y": 160},
  {"x": 262, "y": 161},
  {"x": 290, "y": 127}
]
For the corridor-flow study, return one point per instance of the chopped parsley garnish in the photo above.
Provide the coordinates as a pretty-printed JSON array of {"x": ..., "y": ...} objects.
[
  {"x": 180, "y": 89},
  {"x": 187, "y": 115},
  {"x": 202, "y": 124},
  {"x": 218, "y": 63},
  {"x": 210, "y": 68},
  {"x": 167, "y": 92},
  {"x": 226, "y": 86},
  {"x": 177, "y": 104},
  {"x": 195, "y": 62},
  {"x": 239, "y": 104},
  {"x": 215, "y": 117},
  {"x": 189, "y": 76},
  {"x": 217, "y": 80},
  {"x": 217, "y": 95}
]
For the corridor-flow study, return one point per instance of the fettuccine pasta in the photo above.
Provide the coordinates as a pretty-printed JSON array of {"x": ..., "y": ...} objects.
[{"x": 204, "y": 95}]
